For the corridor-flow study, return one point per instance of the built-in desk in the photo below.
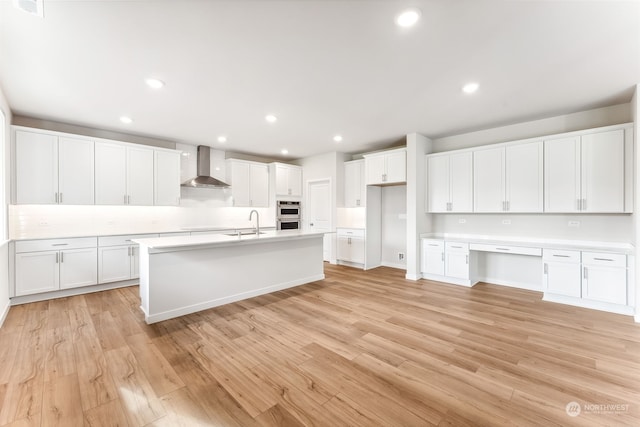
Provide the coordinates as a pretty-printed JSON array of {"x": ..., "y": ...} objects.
[{"x": 583, "y": 273}]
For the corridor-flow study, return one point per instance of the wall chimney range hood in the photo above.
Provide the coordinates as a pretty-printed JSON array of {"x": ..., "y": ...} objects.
[{"x": 204, "y": 178}]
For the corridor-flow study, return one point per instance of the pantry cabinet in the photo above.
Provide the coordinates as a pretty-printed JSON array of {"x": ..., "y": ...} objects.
[
  {"x": 450, "y": 183},
  {"x": 166, "y": 178},
  {"x": 585, "y": 173},
  {"x": 387, "y": 167},
  {"x": 249, "y": 183},
  {"x": 52, "y": 169},
  {"x": 355, "y": 189},
  {"x": 288, "y": 180},
  {"x": 508, "y": 178},
  {"x": 124, "y": 175}
]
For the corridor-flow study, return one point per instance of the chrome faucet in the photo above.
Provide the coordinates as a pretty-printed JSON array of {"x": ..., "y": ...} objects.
[{"x": 257, "y": 221}]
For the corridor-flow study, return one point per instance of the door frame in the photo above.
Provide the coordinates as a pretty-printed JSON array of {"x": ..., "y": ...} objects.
[{"x": 332, "y": 212}]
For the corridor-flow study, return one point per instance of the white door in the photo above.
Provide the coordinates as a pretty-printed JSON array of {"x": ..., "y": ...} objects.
[
  {"x": 438, "y": 185},
  {"x": 318, "y": 216},
  {"x": 111, "y": 174},
  {"x": 357, "y": 247},
  {"x": 605, "y": 284},
  {"x": 36, "y": 168},
  {"x": 240, "y": 186},
  {"x": 259, "y": 185},
  {"x": 75, "y": 171},
  {"x": 488, "y": 180},
  {"x": 166, "y": 174},
  {"x": 343, "y": 248},
  {"x": 139, "y": 176},
  {"x": 433, "y": 257},
  {"x": 524, "y": 173},
  {"x": 37, "y": 272},
  {"x": 396, "y": 167},
  {"x": 375, "y": 169},
  {"x": 114, "y": 263},
  {"x": 78, "y": 267},
  {"x": 562, "y": 175},
  {"x": 295, "y": 181},
  {"x": 603, "y": 172},
  {"x": 282, "y": 180},
  {"x": 354, "y": 189},
  {"x": 457, "y": 265},
  {"x": 134, "y": 255},
  {"x": 461, "y": 182},
  {"x": 562, "y": 278}
]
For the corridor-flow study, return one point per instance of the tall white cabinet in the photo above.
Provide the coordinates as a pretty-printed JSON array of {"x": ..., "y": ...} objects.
[
  {"x": 355, "y": 189},
  {"x": 51, "y": 169}
]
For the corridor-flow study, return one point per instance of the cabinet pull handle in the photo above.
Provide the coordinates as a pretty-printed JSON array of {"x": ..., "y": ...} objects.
[
  {"x": 57, "y": 257},
  {"x": 561, "y": 256},
  {"x": 60, "y": 244},
  {"x": 503, "y": 249},
  {"x": 125, "y": 199},
  {"x": 129, "y": 251},
  {"x": 61, "y": 256},
  {"x": 578, "y": 205},
  {"x": 603, "y": 259},
  {"x": 585, "y": 275},
  {"x": 55, "y": 195},
  {"x": 349, "y": 240},
  {"x": 457, "y": 247},
  {"x": 466, "y": 259},
  {"x": 584, "y": 204},
  {"x": 60, "y": 197},
  {"x": 128, "y": 200},
  {"x": 433, "y": 244},
  {"x": 357, "y": 202},
  {"x": 546, "y": 269},
  {"x": 442, "y": 256},
  {"x": 508, "y": 205}
]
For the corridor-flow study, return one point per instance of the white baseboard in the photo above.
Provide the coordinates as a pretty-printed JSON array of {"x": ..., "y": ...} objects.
[
  {"x": 5, "y": 312},
  {"x": 25, "y": 299},
  {"x": 595, "y": 305},
  {"x": 637, "y": 318},
  {"x": 413, "y": 276},
  {"x": 450, "y": 280},
  {"x": 511, "y": 283},
  {"x": 394, "y": 265}
]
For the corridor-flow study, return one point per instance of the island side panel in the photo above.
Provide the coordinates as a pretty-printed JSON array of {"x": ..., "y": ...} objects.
[
  {"x": 187, "y": 281},
  {"x": 143, "y": 265}
]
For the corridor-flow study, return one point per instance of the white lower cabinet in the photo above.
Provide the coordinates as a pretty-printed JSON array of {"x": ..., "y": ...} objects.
[
  {"x": 351, "y": 245},
  {"x": 604, "y": 277},
  {"x": 118, "y": 258},
  {"x": 561, "y": 272},
  {"x": 456, "y": 260},
  {"x": 432, "y": 257},
  {"x": 54, "y": 264}
]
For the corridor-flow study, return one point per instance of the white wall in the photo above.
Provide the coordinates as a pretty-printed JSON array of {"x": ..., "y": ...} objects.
[
  {"x": 635, "y": 112},
  {"x": 394, "y": 225},
  {"x": 4, "y": 252},
  {"x": 417, "y": 221}
]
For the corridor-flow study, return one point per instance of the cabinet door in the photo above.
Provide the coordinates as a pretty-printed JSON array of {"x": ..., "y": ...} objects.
[
  {"x": 78, "y": 267},
  {"x": 396, "y": 167},
  {"x": 295, "y": 181},
  {"x": 166, "y": 173},
  {"x": 488, "y": 180},
  {"x": 134, "y": 255},
  {"x": 438, "y": 184},
  {"x": 37, "y": 272},
  {"x": 461, "y": 182},
  {"x": 111, "y": 174},
  {"x": 36, "y": 168},
  {"x": 75, "y": 171},
  {"x": 562, "y": 279},
  {"x": 139, "y": 176},
  {"x": 240, "y": 183},
  {"x": 343, "y": 249},
  {"x": 259, "y": 185},
  {"x": 357, "y": 250},
  {"x": 374, "y": 169},
  {"x": 605, "y": 284},
  {"x": 353, "y": 184},
  {"x": 603, "y": 172},
  {"x": 524, "y": 179},
  {"x": 562, "y": 175},
  {"x": 282, "y": 180},
  {"x": 457, "y": 265},
  {"x": 114, "y": 263},
  {"x": 433, "y": 257}
]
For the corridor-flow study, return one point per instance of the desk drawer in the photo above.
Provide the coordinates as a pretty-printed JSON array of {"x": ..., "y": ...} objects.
[
  {"x": 433, "y": 244},
  {"x": 457, "y": 247},
  {"x": 518, "y": 250},
  {"x": 558, "y": 255},
  {"x": 604, "y": 259}
]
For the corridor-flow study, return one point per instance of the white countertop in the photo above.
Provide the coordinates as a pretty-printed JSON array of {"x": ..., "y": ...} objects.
[
  {"x": 222, "y": 239},
  {"x": 576, "y": 245}
]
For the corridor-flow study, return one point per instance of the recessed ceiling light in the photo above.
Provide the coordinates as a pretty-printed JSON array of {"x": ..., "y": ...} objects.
[
  {"x": 222, "y": 139},
  {"x": 154, "y": 83},
  {"x": 470, "y": 87},
  {"x": 337, "y": 138},
  {"x": 284, "y": 151},
  {"x": 408, "y": 18},
  {"x": 125, "y": 119},
  {"x": 271, "y": 118}
]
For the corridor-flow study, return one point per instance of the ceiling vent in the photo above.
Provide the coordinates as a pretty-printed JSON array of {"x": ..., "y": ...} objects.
[{"x": 34, "y": 7}]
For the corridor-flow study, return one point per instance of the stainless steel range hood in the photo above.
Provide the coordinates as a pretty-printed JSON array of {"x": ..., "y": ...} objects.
[{"x": 204, "y": 178}]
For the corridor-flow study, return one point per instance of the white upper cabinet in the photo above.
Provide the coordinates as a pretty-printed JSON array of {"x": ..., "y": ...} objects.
[
  {"x": 124, "y": 175},
  {"x": 166, "y": 178},
  {"x": 586, "y": 173},
  {"x": 450, "y": 183},
  {"x": 249, "y": 183},
  {"x": 288, "y": 179},
  {"x": 388, "y": 167},
  {"x": 355, "y": 190},
  {"x": 508, "y": 178},
  {"x": 52, "y": 169}
]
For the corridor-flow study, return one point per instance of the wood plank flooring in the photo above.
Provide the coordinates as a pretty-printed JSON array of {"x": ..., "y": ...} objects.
[{"x": 356, "y": 349}]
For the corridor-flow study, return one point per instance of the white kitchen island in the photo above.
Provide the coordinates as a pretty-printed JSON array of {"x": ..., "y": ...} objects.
[{"x": 185, "y": 274}]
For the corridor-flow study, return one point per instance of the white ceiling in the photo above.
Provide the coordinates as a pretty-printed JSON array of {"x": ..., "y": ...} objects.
[{"x": 322, "y": 67}]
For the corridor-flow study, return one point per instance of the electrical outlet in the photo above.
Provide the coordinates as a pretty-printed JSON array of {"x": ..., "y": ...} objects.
[
  {"x": 574, "y": 223},
  {"x": 462, "y": 221},
  {"x": 506, "y": 222},
  {"x": 43, "y": 223},
  {"x": 400, "y": 256}
]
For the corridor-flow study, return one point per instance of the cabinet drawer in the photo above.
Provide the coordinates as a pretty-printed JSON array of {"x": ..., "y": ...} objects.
[
  {"x": 557, "y": 255},
  {"x": 350, "y": 232},
  {"x": 518, "y": 250},
  {"x": 432, "y": 244},
  {"x": 55, "y": 244},
  {"x": 122, "y": 240},
  {"x": 457, "y": 247},
  {"x": 604, "y": 259}
]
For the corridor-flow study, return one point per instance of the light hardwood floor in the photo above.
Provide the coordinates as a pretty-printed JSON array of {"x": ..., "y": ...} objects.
[{"x": 358, "y": 349}]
